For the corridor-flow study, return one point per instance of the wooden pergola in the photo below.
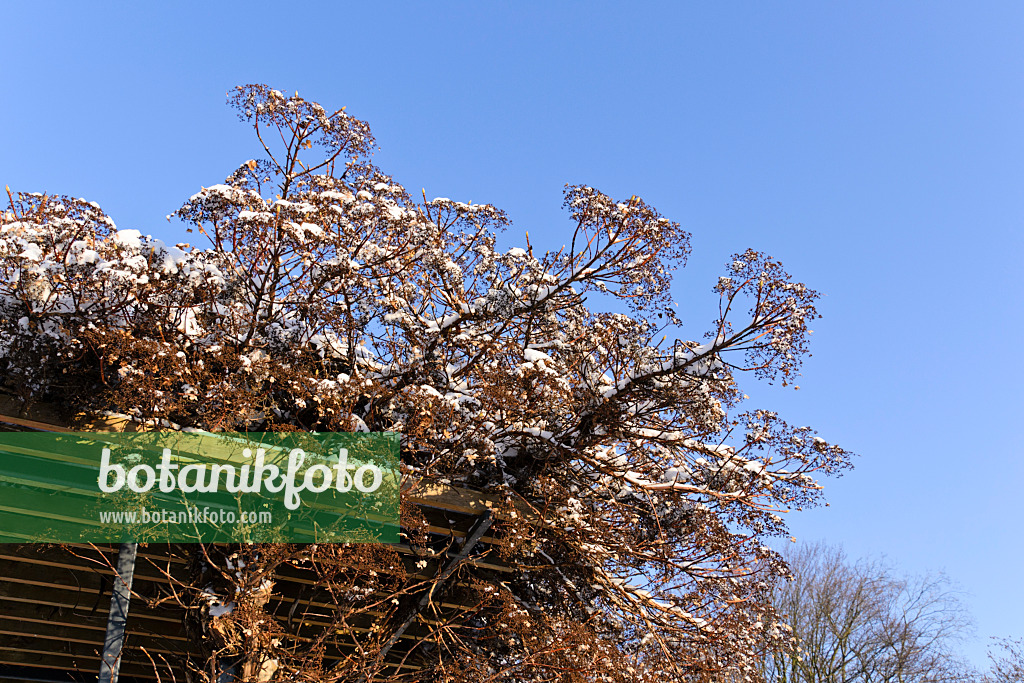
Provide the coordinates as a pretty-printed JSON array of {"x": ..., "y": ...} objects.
[{"x": 63, "y": 607}]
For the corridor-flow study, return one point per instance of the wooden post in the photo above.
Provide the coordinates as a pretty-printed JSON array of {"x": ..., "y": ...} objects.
[{"x": 110, "y": 662}]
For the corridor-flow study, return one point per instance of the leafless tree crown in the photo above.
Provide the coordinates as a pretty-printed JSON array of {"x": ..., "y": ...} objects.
[{"x": 861, "y": 622}]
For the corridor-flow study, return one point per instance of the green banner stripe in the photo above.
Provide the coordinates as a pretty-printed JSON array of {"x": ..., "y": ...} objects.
[{"x": 335, "y": 487}]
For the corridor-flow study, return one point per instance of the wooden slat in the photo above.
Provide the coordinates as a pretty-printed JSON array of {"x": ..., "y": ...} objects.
[
  {"x": 87, "y": 605},
  {"x": 73, "y": 657},
  {"x": 72, "y": 633},
  {"x": 35, "y": 613},
  {"x": 68, "y": 570}
]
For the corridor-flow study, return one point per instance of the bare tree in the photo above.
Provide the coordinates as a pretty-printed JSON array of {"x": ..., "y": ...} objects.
[
  {"x": 328, "y": 298},
  {"x": 1007, "y": 663},
  {"x": 861, "y": 622}
]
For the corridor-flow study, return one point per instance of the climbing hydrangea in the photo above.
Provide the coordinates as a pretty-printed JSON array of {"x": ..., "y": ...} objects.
[{"x": 325, "y": 297}]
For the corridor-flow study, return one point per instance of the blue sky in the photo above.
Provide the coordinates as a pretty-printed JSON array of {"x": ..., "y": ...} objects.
[{"x": 876, "y": 149}]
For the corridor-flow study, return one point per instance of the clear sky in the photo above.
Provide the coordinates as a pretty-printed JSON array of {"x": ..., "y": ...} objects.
[{"x": 876, "y": 149}]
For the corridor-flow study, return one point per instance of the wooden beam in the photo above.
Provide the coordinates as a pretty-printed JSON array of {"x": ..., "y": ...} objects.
[{"x": 475, "y": 534}]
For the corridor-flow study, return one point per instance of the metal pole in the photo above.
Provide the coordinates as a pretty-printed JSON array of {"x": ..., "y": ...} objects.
[{"x": 110, "y": 661}]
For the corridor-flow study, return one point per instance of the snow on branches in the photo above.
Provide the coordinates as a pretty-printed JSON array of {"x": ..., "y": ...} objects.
[{"x": 327, "y": 298}]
